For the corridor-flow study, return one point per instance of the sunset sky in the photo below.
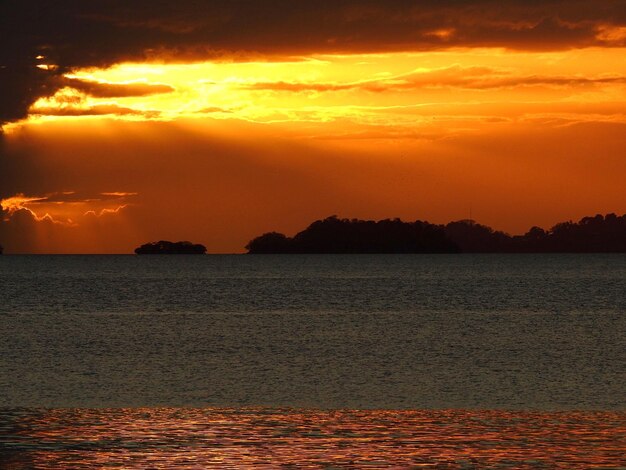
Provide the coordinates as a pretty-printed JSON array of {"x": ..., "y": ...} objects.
[{"x": 128, "y": 122}]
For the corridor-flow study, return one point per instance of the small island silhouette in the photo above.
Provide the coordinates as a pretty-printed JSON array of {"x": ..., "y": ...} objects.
[
  {"x": 164, "y": 247},
  {"x": 598, "y": 234}
]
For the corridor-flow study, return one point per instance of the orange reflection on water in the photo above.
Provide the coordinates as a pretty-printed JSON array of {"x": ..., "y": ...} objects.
[{"x": 200, "y": 438}]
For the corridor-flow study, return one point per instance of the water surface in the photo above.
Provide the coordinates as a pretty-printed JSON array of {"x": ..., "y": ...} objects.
[
  {"x": 446, "y": 361},
  {"x": 287, "y": 438},
  {"x": 523, "y": 332}
]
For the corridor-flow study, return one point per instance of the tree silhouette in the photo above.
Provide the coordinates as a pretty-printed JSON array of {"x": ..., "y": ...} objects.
[
  {"x": 334, "y": 235},
  {"x": 597, "y": 234},
  {"x": 170, "y": 248}
]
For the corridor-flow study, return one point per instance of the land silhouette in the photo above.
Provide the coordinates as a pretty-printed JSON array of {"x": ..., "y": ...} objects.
[
  {"x": 164, "y": 247},
  {"x": 598, "y": 234}
]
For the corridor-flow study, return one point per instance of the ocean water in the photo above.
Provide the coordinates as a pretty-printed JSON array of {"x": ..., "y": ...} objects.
[{"x": 453, "y": 361}]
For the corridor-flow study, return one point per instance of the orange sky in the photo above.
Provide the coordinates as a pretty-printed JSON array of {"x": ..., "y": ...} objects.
[{"x": 180, "y": 146}]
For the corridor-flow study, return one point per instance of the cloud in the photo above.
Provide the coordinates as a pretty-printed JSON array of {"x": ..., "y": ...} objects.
[
  {"x": 106, "y": 211},
  {"x": 35, "y": 204},
  {"x": 83, "y": 197},
  {"x": 59, "y": 223},
  {"x": 96, "y": 110},
  {"x": 302, "y": 86},
  {"x": 26, "y": 232},
  {"x": 69, "y": 101},
  {"x": 534, "y": 80},
  {"x": 19, "y": 201},
  {"x": 454, "y": 76},
  {"x": 116, "y": 90},
  {"x": 68, "y": 34},
  {"x": 213, "y": 109},
  {"x": 119, "y": 194}
]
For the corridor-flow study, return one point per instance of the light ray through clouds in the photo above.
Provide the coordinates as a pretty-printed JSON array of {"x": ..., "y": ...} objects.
[
  {"x": 362, "y": 89},
  {"x": 214, "y": 122}
]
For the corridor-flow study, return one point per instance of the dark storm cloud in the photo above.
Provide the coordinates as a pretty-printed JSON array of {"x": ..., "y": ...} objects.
[{"x": 76, "y": 33}]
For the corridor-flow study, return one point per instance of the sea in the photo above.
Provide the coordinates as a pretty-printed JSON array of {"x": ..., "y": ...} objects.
[{"x": 313, "y": 361}]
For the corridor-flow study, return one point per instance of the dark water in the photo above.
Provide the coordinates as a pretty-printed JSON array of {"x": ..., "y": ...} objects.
[{"x": 103, "y": 336}]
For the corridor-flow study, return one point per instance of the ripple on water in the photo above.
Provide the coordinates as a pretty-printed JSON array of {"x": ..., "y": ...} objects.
[{"x": 197, "y": 438}]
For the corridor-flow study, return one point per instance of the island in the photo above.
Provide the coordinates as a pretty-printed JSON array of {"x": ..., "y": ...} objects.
[
  {"x": 164, "y": 247},
  {"x": 334, "y": 235},
  {"x": 597, "y": 234}
]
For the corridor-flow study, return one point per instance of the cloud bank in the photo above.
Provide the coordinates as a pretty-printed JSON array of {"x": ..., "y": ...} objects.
[{"x": 65, "y": 35}]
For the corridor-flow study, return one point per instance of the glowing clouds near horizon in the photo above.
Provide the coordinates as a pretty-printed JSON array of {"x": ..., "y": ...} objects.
[
  {"x": 64, "y": 222},
  {"x": 67, "y": 206}
]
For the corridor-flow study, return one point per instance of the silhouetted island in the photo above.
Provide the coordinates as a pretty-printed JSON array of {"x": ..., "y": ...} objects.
[
  {"x": 334, "y": 235},
  {"x": 1, "y": 249},
  {"x": 170, "y": 248},
  {"x": 599, "y": 234}
]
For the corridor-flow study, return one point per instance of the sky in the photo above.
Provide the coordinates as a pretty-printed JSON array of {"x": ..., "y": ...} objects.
[{"x": 214, "y": 122}]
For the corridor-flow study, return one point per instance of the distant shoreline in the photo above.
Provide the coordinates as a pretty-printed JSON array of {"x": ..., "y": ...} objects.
[
  {"x": 10, "y": 255},
  {"x": 598, "y": 234},
  {"x": 164, "y": 247}
]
